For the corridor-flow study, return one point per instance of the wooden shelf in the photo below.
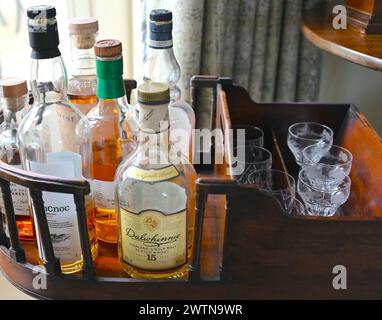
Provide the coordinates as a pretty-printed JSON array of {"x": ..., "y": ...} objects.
[{"x": 365, "y": 50}]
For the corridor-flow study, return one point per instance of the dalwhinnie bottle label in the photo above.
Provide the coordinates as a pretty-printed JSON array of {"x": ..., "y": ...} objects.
[
  {"x": 153, "y": 175},
  {"x": 152, "y": 240}
]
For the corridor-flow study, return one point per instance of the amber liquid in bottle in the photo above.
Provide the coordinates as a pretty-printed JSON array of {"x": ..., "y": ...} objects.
[
  {"x": 108, "y": 149},
  {"x": 83, "y": 102},
  {"x": 23, "y": 222}
]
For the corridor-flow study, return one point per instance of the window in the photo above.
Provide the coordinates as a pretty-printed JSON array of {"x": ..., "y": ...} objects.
[{"x": 116, "y": 20}]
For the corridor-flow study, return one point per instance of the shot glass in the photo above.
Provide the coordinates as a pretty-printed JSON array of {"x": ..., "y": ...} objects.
[
  {"x": 298, "y": 208},
  {"x": 277, "y": 183},
  {"x": 254, "y": 136},
  {"x": 305, "y": 134},
  {"x": 333, "y": 163},
  {"x": 249, "y": 160},
  {"x": 318, "y": 198}
]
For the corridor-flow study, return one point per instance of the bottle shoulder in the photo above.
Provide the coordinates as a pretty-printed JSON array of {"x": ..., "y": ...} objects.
[
  {"x": 139, "y": 165},
  {"x": 60, "y": 117},
  {"x": 113, "y": 113}
]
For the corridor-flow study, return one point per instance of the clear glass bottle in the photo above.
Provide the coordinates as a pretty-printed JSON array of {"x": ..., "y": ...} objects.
[
  {"x": 14, "y": 99},
  {"x": 83, "y": 80},
  {"x": 50, "y": 142},
  {"x": 161, "y": 66},
  {"x": 155, "y": 196},
  {"x": 114, "y": 132}
]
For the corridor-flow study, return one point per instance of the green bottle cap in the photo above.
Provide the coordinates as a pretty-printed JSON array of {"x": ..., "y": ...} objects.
[{"x": 109, "y": 65}]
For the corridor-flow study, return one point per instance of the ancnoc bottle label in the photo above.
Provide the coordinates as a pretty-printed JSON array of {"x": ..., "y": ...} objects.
[
  {"x": 60, "y": 208},
  {"x": 152, "y": 240}
]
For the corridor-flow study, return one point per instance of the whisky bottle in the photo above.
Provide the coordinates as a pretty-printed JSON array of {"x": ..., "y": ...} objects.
[
  {"x": 114, "y": 130},
  {"x": 50, "y": 142},
  {"x": 155, "y": 196},
  {"x": 161, "y": 66},
  {"x": 83, "y": 81},
  {"x": 14, "y": 100}
]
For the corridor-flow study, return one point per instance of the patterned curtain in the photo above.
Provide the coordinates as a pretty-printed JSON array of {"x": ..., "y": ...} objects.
[{"x": 256, "y": 42}]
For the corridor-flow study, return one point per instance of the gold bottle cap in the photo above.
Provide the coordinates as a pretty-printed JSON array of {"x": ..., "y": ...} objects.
[
  {"x": 83, "y": 26},
  {"x": 108, "y": 48},
  {"x": 153, "y": 93},
  {"x": 13, "y": 88}
]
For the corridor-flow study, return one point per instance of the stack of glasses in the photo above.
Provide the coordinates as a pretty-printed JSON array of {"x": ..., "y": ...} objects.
[
  {"x": 254, "y": 167},
  {"x": 323, "y": 182}
]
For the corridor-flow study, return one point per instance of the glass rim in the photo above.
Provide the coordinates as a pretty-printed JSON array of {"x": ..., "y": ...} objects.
[
  {"x": 349, "y": 161},
  {"x": 267, "y": 152},
  {"x": 343, "y": 185},
  {"x": 290, "y": 178},
  {"x": 314, "y": 123},
  {"x": 244, "y": 126}
]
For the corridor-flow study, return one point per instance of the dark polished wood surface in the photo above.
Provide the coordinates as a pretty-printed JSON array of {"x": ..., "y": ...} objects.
[{"x": 349, "y": 44}]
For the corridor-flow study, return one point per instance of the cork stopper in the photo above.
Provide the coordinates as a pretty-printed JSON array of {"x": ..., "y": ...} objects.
[
  {"x": 108, "y": 48},
  {"x": 13, "y": 88},
  {"x": 153, "y": 93},
  {"x": 83, "y": 26},
  {"x": 83, "y": 32}
]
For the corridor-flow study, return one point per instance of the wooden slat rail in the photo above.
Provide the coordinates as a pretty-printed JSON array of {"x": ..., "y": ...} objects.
[
  {"x": 130, "y": 85},
  {"x": 37, "y": 183},
  {"x": 198, "y": 82}
]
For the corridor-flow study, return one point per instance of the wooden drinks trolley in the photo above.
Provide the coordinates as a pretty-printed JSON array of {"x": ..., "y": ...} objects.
[{"x": 245, "y": 245}]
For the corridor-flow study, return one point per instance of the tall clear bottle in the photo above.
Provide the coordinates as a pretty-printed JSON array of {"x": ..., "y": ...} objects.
[
  {"x": 14, "y": 101},
  {"x": 114, "y": 130},
  {"x": 161, "y": 66},
  {"x": 83, "y": 80},
  {"x": 155, "y": 196},
  {"x": 50, "y": 142}
]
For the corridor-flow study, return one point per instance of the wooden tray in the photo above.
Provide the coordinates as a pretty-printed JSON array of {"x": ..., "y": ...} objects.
[{"x": 245, "y": 245}]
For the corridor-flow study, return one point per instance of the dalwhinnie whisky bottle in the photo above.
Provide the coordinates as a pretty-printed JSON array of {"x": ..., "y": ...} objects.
[
  {"x": 83, "y": 80},
  {"x": 14, "y": 100},
  {"x": 51, "y": 142},
  {"x": 155, "y": 196},
  {"x": 113, "y": 130}
]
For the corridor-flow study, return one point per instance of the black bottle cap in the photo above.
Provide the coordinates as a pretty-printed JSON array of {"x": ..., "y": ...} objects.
[
  {"x": 160, "y": 15},
  {"x": 43, "y": 11},
  {"x": 43, "y": 34}
]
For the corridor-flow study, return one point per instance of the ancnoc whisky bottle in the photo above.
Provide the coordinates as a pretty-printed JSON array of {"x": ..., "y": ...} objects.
[
  {"x": 161, "y": 66},
  {"x": 50, "y": 142},
  {"x": 114, "y": 132},
  {"x": 83, "y": 81},
  {"x": 155, "y": 196},
  {"x": 14, "y": 100}
]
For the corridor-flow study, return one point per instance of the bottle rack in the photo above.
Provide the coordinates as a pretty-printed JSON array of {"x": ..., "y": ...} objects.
[{"x": 245, "y": 245}]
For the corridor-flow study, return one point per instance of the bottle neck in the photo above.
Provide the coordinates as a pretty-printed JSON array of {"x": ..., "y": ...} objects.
[
  {"x": 48, "y": 80},
  {"x": 161, "y": 66},
  {"x": 83, "y": 57},
  {"x": 154, "y": 126},
  {"x": 110, "y": 83},
  {"x": 112, "y": 105}
]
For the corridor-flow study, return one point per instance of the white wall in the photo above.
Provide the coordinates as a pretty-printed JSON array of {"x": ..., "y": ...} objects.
[{"x": 343, "y": 81}]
